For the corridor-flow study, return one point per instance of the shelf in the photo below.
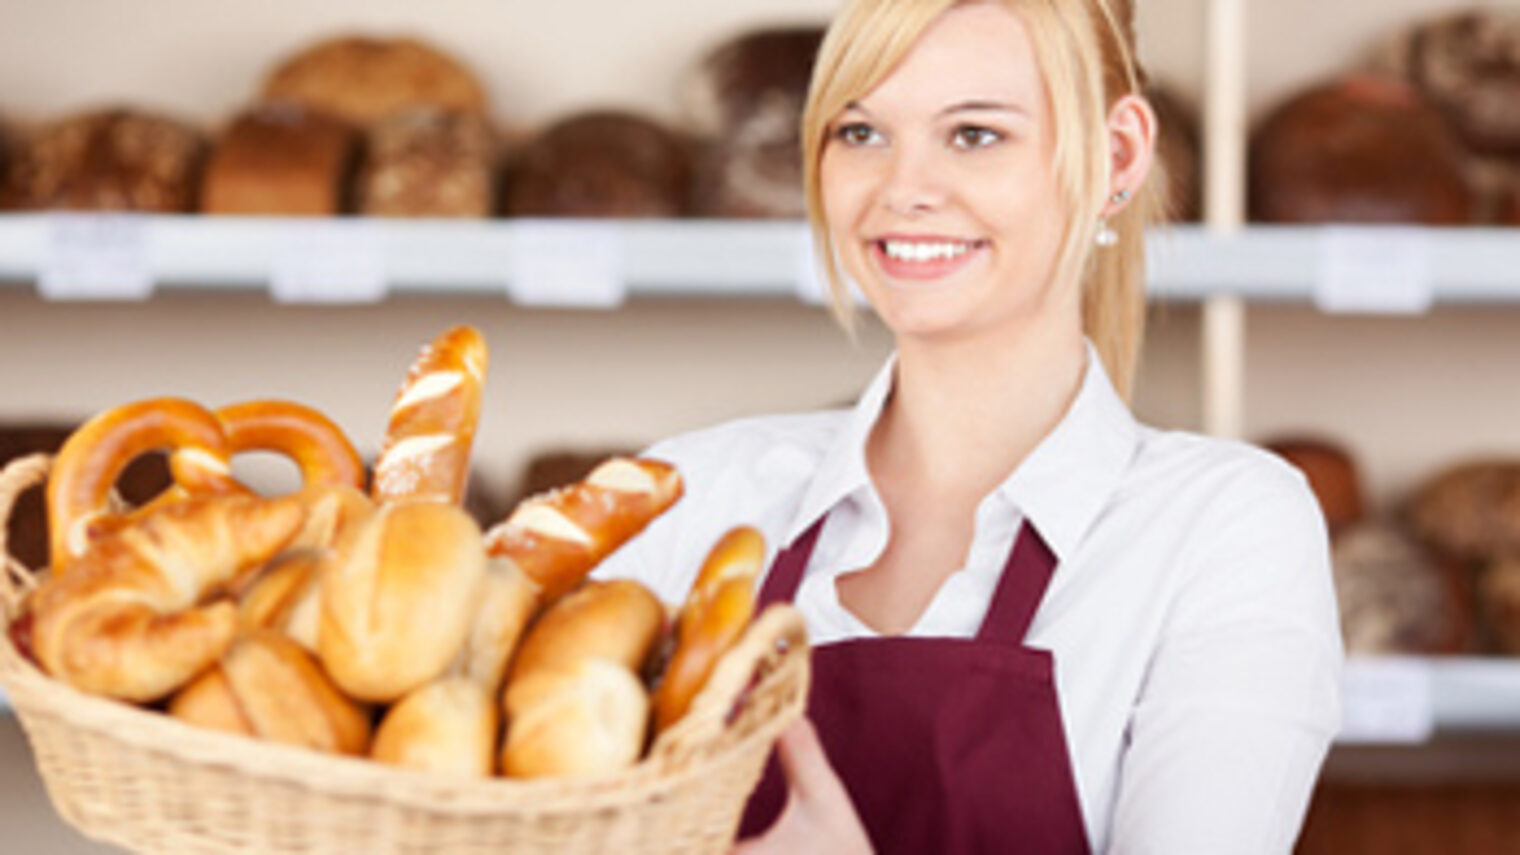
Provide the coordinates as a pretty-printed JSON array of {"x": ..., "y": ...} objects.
[{"x": 705, "y": 258}]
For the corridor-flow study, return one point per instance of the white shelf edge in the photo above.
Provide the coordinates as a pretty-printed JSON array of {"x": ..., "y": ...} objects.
[{"x": 722, "y": 258}]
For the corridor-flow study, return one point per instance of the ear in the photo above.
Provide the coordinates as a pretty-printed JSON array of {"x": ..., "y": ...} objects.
[{"x": 1132, "y": 129}]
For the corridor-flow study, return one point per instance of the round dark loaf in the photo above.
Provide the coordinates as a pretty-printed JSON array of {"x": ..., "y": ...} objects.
[
  {"x": 116, "y": 159},
  {"x": 604, "y": 163}
]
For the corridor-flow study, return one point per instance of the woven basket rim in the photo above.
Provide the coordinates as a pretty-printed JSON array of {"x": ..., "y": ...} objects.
[{"x": 699, "y": 743}]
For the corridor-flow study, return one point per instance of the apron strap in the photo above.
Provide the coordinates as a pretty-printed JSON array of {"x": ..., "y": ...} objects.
[{"x": 1020, "y": 588}]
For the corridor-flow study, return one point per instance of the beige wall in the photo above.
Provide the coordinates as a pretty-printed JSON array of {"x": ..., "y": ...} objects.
[{"x": 1409, "y": 395}]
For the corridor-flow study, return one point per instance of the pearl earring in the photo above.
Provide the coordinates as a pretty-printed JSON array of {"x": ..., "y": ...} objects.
[{"x": 1106, "y": 235}]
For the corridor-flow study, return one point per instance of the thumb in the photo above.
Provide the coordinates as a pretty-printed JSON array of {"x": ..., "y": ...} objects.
[{"x": 809, "y": 776}]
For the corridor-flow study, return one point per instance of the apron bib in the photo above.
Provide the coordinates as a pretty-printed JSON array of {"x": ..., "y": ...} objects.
[{"x": 945, "y": 745}]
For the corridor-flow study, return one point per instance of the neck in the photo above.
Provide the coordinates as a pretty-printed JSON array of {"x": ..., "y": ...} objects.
[{"x": 964, "y": 414}]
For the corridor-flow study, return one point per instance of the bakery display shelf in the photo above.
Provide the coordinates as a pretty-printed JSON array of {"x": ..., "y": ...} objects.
[
  {"x": 717, "y": 258},
  {"x": 1408, "y": 699}
]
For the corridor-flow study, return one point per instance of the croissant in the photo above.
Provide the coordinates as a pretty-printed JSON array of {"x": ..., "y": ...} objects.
[{"x": 131, "y": 619}]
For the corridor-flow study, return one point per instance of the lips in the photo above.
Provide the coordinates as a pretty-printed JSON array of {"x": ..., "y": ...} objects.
[{"x": 923, "y": 257}]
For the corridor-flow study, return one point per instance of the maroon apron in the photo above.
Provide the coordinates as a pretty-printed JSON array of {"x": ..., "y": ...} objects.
[{"x": 945, "y": 745}]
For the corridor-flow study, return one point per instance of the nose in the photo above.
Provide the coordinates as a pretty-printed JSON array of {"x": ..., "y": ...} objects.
[{"x": 912, "y": 185}]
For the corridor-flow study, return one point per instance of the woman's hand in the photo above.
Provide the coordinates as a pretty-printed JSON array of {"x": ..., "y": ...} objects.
[{"x": 818, "y": 816}]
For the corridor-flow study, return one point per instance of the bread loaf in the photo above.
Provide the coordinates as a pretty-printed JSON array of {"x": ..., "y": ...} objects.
[
  {"x": 602, "y": 164},
  {"x": 397, "y": 597},
  {"x": 362, "y": 79},
  {"x": 1499, "y": 605},
  {"x": 1470, "y": 510},
  {"x": 745, "y": 100},
  {"x": 1359, "y": 150},
  {"x": 137, "y": 616},
  {"x": 1397, "y": 597},
  {"x": 1467, "y": 63},
  {"x": 426, "y": 162},
  {"x": 117, "y": 159},
  {"x": 268, "y": 687},
  {"x": 575, "y": 701},
  {"x": 281, "y": 159}
]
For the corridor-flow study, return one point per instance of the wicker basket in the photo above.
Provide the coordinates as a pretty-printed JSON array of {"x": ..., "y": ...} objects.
[{"x": 142, "y": 780}]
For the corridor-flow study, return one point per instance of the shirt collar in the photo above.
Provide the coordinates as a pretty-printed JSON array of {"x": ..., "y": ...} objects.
[{"x": 1061, "y": 487}]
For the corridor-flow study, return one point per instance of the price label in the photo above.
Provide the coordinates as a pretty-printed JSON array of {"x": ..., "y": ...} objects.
[
  {"x": 567, "y": 264},
  {"x": 1377, "y": 270},
  {"x": 329, "y": 262},
  {"x": 95, "y": 257},
  {"x": 1386, "y": 701}
]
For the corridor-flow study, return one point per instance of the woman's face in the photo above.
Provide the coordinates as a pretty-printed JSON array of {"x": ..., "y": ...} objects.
[{"x": 938, "y": 186}]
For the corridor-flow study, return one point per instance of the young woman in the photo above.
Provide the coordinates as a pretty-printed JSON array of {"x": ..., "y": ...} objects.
[{"x": 1040, "y": 626}]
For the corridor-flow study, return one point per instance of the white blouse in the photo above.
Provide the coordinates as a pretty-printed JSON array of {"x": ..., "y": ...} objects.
[{"x": 1191, "y": 616}]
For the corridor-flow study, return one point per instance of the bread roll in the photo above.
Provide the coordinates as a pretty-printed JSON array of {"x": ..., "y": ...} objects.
[
  {"x": 719, "y": 608},
  {"x": 575, "y": 702},
  {"x": 558, "y": 538},
  {"x": 134, "y": 618},
  {"x": 397, "y": 598},
  {"x": 1332, "y": 474},
  {"x": 1360, "y": 150},
  {"x": 425, "y": 162},
  {"x": 270, "y": 688},
  {"x": 117, "y": 159},
  {"x": 1470, "y": 511},
  {"x": 602, "y": 164},
  {"x": 449, "y": 726},
  {"x": 508, "y": 602},
  {"x": 281, "y": 159},
  {"x": 745, "y": 99},
  {"x": 363, "y": 79}
]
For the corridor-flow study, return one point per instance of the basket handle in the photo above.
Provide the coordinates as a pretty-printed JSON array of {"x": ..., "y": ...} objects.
[
  {"x": 16, "y": 478},
  {"x": 775, "y": 640}
]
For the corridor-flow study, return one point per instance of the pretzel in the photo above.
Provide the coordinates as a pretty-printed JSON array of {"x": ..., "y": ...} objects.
[
  {"x": 317, "y": 445},
  {"x": 557, "y": 538},
  {"x": 95, "y": 455},
  {"x": 716, "y": 613},
  {"x": 426, "y": 451}
]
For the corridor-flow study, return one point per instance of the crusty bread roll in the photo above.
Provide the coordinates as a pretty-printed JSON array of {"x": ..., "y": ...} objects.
[
  {"x": 1363, "y": 149},
  {"x": 281, "y": 158},
  {"x": 575, "y": 701},
  {"x": 719, "y": 608},
  {"x": 128, "y": 619},
  {"x": 745, "y": 100},
  {"x": 363, "y": 79},
  {"x": 397, "y": 597},
  {"x": 449, "y": 726},
  {"x": 557, "y": 538},
  {"x": 426, "y": 162},
  {"x": 508, "y": 601},
  {"x": 118, "y": 159},
  {"x": 1332, "y": 474},
  {"x": 1470, "y": 510},
  {"x": 270, "y": 688},
  {"x": 601, "y": 164}
]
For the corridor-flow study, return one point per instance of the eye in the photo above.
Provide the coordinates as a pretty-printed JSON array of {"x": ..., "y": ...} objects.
[
  {"x": 971, "y": 137},
  {"x": 857, "y": 134}
]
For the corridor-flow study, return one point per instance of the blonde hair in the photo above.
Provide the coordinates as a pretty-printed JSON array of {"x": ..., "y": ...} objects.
[{"x": 1085, "y": 49}]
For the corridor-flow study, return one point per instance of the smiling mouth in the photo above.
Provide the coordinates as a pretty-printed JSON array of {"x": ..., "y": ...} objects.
[{"x": 926, "y": 258}]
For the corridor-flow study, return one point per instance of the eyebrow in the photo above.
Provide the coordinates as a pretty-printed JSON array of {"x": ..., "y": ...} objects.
[{"x": 974, "y": 105}]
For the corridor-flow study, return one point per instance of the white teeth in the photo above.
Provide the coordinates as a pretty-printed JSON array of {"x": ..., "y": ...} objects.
[{"x": 921, "y": 251}]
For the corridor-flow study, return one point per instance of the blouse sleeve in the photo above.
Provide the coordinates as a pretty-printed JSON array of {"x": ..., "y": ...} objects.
[{"x": 1241, "y": 698}]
